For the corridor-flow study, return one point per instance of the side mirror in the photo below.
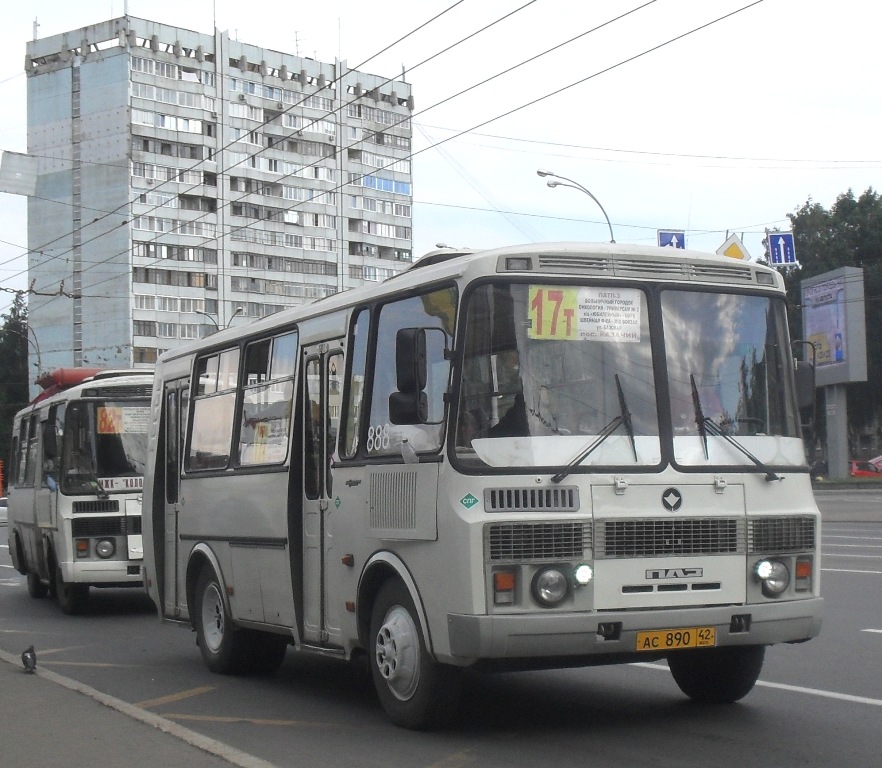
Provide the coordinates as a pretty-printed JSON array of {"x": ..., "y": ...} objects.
[
  {"x": 410, "y": 405},
  {"x": 805, "y": 384}
]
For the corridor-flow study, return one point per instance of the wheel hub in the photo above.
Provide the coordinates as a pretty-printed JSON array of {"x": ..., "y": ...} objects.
[{"x": 397, "y": 653}]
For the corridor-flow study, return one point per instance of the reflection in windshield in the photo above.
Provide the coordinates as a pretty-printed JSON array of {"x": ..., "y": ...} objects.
[
  {"x": 103, "y": 440},
  {"x": 541, "y": 362},
  {"x": 730, "y": 354}
]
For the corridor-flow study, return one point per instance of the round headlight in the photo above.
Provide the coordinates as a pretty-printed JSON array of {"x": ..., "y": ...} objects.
[
  {"x": 105, "y": 548},
  {"x": 549, "y": 586},
  {"x": 774, "y": 576}
]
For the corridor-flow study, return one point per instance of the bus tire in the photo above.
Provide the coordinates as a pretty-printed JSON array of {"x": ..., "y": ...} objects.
[
  {"x": 414, "y": 690},
  {"x": 36, "y": 588},
  {"x": 72, "y": 598},
  {"x": 267, "y": 652},
  {"x": 224, "y": 648},
  {"x": 717, "y": 675}
]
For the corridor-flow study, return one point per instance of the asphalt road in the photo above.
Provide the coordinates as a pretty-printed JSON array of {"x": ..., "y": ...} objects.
[{"x": 817, "y": 704}]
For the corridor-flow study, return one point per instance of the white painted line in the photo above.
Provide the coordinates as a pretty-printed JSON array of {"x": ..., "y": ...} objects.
[
  {"x": 846, "y": 570},
  {"x": 876, "y": 631},
  {"x": 782, "y": 687},
  {"x": 198, "y": 740}
]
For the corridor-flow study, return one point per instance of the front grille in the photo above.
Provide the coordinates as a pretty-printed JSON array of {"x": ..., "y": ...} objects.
[
  {"x": 781, "y": 534},
  {"x": 96, "y": 506},
  {"x": 562, "y": 499},
  {"x": 536, "y": 541},
  {"x": 654, "y": 537},
  {"x": 85, "y": 527}
]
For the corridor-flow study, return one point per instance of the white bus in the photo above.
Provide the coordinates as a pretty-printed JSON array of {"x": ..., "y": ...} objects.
[
  {"x": 76, "y": 481},
  {"x": 540, "y": 456}
]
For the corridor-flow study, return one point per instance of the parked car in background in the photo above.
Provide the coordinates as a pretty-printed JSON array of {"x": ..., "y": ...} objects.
[
  {"x": 864, "y": 469},
  {"x": 3, "y": 506}
]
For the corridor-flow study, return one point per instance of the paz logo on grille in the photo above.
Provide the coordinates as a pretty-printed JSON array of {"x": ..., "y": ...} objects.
[
  {"x": 468, "y": 501},
  {"x": 672, "y": 500}
]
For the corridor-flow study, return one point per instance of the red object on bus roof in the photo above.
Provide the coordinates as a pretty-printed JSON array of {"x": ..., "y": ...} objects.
[{"x": 60, "y": 379}]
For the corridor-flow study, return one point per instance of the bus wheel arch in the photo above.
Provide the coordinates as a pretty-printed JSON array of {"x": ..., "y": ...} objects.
[
  {"x": 382, "y": 567},
  {"x": 225, "y": 648}
]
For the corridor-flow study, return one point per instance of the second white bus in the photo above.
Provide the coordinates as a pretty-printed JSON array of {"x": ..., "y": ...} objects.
[{"x": 540, "y": 456}]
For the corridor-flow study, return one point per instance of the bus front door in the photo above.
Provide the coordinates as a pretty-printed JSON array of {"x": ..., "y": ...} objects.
[
  {"x": 175, "y": 403},
  {"x": 322, "y": 387}
]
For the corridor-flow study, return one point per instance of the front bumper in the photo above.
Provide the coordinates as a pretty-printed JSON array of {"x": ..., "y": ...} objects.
[{"x": 542, "y": 635}]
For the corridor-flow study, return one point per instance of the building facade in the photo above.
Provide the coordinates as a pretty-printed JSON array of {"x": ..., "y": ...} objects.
[{"x": 187, "y": 181}]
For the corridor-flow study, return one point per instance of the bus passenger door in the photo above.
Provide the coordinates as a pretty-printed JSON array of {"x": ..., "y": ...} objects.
[
  {"x": 175, "y": 398},
  {"x": 323, "y": 378}
]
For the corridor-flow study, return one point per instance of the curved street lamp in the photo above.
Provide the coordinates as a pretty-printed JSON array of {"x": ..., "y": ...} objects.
[
  {"x": 563, "y": 181},
  {"x": 239, "y": 311}
]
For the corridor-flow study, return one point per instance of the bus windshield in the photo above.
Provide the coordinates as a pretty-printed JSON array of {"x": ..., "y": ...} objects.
[
  {"x": 730, "y": 375},
  {"x": 565, "y": 366},
  {"x": 565, "y": 376},
  {"x": 104, "y": 442}
]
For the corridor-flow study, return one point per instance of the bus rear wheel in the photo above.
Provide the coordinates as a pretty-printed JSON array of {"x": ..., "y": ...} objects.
[
  {"x": 414, "y": 691},
  {"x": 223, "y": 647},
  {"x": 717, "y": 675}
]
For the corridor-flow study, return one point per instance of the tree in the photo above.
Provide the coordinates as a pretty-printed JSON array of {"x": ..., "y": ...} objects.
[
  {"x": 13, "y": 372},
  {"x": 848, "y": 235}
]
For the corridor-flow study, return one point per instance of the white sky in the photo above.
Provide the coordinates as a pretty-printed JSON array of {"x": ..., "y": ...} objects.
[{"x": 726, "y": 130}]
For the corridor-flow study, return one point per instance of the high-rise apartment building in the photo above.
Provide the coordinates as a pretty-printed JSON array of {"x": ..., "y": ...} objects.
[{"x": 187, "y": 180}]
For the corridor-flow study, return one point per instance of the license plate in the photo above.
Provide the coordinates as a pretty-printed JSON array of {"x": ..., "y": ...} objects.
[{"x": 674, "y": 639}]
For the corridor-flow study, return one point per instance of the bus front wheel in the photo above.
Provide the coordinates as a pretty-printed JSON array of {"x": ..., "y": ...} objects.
[
  {"x": 72, "y": 598},
  {"x": 717, "y": 675},
  {"x": 414, "y": 691},
  {"x": 36, "y": 588},
  {"x": 222, "y": 645}
]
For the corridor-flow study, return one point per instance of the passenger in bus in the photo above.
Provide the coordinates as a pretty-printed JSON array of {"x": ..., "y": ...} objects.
[{"x": 510, "y": 385}]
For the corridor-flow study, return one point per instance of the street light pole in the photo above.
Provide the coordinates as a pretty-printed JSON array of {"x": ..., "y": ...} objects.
[
  {"x": 565, "y": 182},
  {"x": 205, "y": 314}
]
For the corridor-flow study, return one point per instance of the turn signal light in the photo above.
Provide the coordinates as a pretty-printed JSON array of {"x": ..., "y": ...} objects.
[
  {"x": 82, "y": 547},
  {"x": 503, "y": 587},
  {"x": 803, "y": 574}
]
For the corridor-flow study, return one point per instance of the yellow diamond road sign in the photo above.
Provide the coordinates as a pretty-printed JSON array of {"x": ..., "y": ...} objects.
[{"x": 734, "y": 249}]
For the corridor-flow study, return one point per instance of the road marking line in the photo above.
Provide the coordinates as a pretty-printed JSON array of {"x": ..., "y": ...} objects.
[
  {"x": 856, "y": 557},
  {"x": 200, "y": 741},
  {"x": 101, "y": 665},
  {"x": 175, "y": 697},
  {"x": 876, "y": 631},
  {"x": 252, "y": 720},
  {"x": 783, "y": 687},
  {"x": 846, "y": 570}
]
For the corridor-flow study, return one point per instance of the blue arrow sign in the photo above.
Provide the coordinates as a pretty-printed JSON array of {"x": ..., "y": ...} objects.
[
  {"x": 781, "y": 249},
  {"x": 671, "y": 238}
]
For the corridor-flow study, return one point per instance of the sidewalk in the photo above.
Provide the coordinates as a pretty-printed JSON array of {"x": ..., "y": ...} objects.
[{"x": 50, "y": 720}]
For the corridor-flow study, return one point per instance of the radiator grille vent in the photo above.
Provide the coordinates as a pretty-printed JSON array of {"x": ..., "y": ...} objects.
[
  {"x": 105, "y": 526},
  {"x": 562, "y": 499},
  {"x": 537, "y": 541},
  {"x": 393, "y": 500},
  {"x": 654, "y": 537},
  {"x": 781, "y": 534},
  {"x": 95, "y": 506}
]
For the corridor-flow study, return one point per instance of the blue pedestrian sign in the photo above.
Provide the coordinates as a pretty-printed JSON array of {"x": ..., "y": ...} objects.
[
  {"x": 671, "y": 238},
  {"x": 782, "y": 251}
]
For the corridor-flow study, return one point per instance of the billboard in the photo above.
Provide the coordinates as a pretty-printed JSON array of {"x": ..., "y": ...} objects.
[{"x": 833, "y": 321}]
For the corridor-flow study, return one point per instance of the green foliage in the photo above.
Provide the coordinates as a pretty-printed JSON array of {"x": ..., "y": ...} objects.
[
  {"x": 13, "y": 372},
  {"x": 848, "y": 235}
]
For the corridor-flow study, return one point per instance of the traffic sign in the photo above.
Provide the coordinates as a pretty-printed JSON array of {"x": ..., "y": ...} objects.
[
  {"x": 782, "y": 251},
  {"x": 734, "y": 249},
  {"x": 671, "y": 238}
]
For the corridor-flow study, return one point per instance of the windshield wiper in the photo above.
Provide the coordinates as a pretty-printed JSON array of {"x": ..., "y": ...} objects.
[
  {"x": 706, "y": 424},
  {"x": 624, "y": 417}
]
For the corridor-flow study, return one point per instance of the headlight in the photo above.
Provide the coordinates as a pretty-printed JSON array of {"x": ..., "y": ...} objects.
[
  {"x": 549, "y": 586},
  {"x": 583, "y": 574},
  {"x": 774, "y": 576},
  {"x": 105, "y": 548}
]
